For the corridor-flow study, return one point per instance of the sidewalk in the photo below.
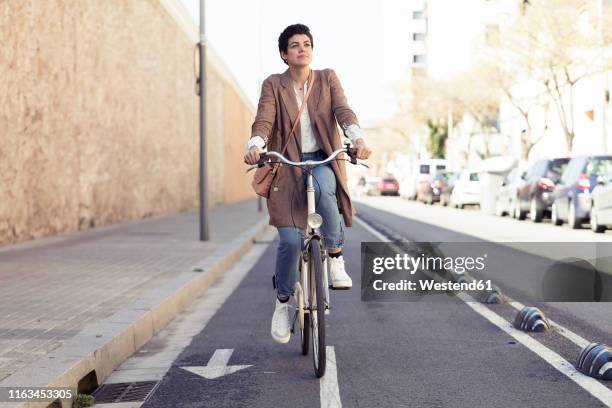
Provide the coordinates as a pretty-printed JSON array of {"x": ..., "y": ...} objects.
[{"x": 65, "y": 301}]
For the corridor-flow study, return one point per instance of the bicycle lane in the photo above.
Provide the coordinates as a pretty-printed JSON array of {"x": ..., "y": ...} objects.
[{"x": 388, "y": 354}]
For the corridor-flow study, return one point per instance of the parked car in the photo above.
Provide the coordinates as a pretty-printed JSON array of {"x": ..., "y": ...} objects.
[
  {"x": 535, "y": 195},
  {"x": 408, "y": 188},
  {"x": 572, "y": 196},
  {"x": 450, "y": 179},
  {"x": 601, "y": 205},
  {"x": 466, "y": 190},
  {"x": 388, "y": 186},
  {"x": 371, "y": 185},
  {"x": 429, "y": 190},
  {"x": 507, "y": 191},
  {"x": 428, "y": 169}
]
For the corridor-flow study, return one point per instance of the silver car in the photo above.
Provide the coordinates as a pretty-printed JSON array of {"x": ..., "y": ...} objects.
[{"x": 601, "y": 205}]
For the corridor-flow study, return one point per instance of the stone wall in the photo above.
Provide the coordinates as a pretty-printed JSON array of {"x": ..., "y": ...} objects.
[{"x": 99, "y": 118}]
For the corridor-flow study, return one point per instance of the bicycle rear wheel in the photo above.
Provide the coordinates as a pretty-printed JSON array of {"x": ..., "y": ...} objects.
[
  {"x": 317, "y": 308},
  {"x": 305, "y": 335}
]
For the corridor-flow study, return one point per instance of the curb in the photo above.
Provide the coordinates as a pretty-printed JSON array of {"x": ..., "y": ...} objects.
[{"x": 102, "y": 346}]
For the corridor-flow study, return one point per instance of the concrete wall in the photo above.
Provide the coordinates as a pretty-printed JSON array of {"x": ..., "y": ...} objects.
[{"x": 99, "y": 119}]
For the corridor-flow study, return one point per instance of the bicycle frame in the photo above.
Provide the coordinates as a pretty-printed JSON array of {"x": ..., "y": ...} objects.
[{"x": 311, "y": 233}]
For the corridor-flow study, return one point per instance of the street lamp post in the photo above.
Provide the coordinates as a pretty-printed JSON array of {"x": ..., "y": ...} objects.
[{"x": 204, "y": 236}]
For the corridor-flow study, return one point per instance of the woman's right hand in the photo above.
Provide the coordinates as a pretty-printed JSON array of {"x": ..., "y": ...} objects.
[{"x": 252, "y": 156}]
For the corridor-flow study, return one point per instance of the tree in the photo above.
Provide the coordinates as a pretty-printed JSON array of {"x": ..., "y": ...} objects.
[{"x": 559, "y": 40}]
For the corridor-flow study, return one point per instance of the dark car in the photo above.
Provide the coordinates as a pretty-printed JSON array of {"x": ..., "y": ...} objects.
[
  {"x": 507, "y": 191},
  {"x": 428, "y": 191},
  {"x": 388, "y": 186},
  {"x": 535, "y": 195},
  {"x": 449, "y": 182},
  {"x": 572, "y": 196}
]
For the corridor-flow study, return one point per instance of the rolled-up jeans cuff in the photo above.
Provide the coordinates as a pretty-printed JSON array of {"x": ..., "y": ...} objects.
[{"x": 336, "y": 242}]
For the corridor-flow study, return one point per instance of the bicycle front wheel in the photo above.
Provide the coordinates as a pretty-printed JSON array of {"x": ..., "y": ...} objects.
[{"x": 317, "y": 308}]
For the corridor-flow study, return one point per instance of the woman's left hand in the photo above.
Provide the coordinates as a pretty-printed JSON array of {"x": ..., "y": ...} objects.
[{"x": 363, "y": 152}]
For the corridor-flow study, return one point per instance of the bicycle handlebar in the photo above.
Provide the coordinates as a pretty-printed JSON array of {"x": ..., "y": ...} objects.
[{"x": 351, "y": 151}]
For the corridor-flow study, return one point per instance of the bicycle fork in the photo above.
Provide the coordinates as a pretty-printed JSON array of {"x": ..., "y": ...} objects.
[{"x": 311, "y": 232}]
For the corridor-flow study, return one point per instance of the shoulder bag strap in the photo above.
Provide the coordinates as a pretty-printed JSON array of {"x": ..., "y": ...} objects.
[{"x": 299, "y": 115}]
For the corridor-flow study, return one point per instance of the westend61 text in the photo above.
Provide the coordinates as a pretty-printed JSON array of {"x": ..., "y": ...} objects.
[{"x": 432, "y": 285}]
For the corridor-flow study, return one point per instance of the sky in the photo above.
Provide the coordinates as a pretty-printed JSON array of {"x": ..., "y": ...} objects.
[{"x": 366, "y": 42}]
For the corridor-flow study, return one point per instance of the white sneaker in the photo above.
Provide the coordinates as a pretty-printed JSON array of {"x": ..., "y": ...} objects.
[
  {"x": 280, "y": 322},
  {"x": 339, "y": 277}
]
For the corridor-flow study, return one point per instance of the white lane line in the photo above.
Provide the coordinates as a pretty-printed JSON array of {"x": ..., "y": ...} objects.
[
  {"x": 371, "y": 230},
  {"x": 592, "y": 386},
  {"x": 589, "y": 384},
  {"x": 330, "y": 394},
  {"x": 568, "y": 334}
]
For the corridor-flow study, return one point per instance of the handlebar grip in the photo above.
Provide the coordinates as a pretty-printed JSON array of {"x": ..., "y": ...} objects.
[
  {"x": 262, "y": 160},
  {"x": 352, "y": 152}
]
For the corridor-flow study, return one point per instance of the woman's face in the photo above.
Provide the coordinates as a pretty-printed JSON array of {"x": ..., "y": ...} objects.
[{"x": 299, "y": 51}]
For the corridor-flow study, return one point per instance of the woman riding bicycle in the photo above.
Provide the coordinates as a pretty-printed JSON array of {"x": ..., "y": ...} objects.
[{"x": 314, "y": 139}]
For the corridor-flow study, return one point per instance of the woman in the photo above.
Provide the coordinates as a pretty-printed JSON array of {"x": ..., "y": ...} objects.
[{"x": 315, "y": 138}]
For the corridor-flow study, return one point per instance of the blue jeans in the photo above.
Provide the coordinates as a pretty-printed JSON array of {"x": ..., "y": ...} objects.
[{"x": 290, "y": 245}]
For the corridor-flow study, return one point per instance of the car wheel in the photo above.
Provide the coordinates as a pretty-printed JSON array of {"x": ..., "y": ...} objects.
[
  {"x": 572, "y": 221},
  {"x": 595, "y": 227},
  {"x": 554, "y": 215},
  {"x": 535, "y": 214}
]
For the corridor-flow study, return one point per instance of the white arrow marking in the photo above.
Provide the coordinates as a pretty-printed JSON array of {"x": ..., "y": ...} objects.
[{"x": 217, "y": 365}]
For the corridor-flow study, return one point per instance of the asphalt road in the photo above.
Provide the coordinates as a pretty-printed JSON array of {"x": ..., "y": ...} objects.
[{"x": 401, "y": 354}]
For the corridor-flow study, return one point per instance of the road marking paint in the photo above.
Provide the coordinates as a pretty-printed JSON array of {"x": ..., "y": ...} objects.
[
  {"x": 330, "y": 394},
  {"x": 568, "y": 334},
  {"x": 592, "y": 386},
  {"x": 217, "y": 365}
]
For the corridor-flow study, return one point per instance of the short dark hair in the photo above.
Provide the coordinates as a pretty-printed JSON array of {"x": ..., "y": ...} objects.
[{"x": 283, "y": 39}]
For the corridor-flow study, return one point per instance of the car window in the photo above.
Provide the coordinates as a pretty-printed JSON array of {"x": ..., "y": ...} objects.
[
  {"x": 473, "y": 176},
  {"x": 440, "y": 167},
  {"x": 599, "y": 167},
  {"x": 556, "y": 168},
  {"x": 390, "y": 180},
  {"x": 424, "y": 169}
]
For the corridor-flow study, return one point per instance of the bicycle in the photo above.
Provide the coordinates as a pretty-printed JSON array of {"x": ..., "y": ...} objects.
[{"x": 313, "y": 269}]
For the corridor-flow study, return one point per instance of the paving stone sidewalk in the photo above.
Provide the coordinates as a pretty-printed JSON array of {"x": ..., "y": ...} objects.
[{"x": 51, "y": 288}]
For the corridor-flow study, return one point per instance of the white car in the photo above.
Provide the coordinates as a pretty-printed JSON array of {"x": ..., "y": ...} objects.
[
  {"x": 407, "y": 188},
  {"x": 466, "y": 190}
]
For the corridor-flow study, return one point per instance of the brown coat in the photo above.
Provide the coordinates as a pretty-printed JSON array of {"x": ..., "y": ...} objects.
[{"x": 276, "y": 111}]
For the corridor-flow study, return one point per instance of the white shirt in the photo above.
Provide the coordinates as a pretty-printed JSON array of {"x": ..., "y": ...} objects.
[{"x": 309, "y": 142}]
